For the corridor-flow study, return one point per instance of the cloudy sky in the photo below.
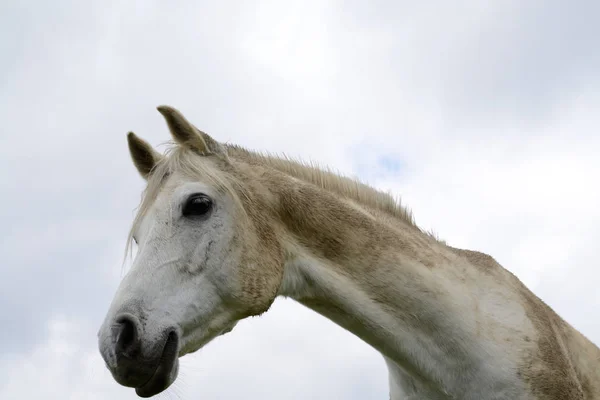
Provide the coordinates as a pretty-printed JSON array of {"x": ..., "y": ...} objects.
[{"x": 483, "y": 116}]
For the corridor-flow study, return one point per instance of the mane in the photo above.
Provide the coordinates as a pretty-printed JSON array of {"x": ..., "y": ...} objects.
[
  {"x": 329, "y": 180},
  {"x": 178, "y": 158}
]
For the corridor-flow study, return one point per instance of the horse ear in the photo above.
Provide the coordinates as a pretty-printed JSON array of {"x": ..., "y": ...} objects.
[
  {"x": 143, "y": 155},
  {"x": 186, "y": 134}
]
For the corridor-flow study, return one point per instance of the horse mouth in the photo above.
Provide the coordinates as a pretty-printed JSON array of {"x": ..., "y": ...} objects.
[{"x": 166, "y": 371}]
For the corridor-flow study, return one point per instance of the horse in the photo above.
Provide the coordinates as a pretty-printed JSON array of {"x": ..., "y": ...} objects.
[{"x": 222, "y": 231}]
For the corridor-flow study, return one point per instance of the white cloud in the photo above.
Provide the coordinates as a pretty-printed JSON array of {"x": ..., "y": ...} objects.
[{"x": 62, "y": 367}]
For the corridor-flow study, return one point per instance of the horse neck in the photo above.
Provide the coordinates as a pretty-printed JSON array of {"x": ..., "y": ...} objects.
[{"x": 376, "y": 276}]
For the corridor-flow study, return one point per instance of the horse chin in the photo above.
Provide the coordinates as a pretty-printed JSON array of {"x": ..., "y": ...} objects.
[
  {"x": 191, "y": 344},
  {"x": 166, "y": 372}
]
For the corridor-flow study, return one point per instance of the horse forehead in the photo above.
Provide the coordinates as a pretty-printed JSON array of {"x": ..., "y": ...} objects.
[
  {"x": 147, "y": 222},
  {"x": 158, "y": 208},
  {"x": 177, "y": 182}
]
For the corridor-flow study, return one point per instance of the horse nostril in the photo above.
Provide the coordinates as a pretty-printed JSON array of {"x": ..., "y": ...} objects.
[{"x": 127, "y": 334}]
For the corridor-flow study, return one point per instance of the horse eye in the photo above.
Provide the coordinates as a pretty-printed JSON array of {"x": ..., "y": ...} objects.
[{"x": 197, "y": 205}]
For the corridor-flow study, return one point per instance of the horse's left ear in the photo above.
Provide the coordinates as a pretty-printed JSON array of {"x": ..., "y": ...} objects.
[
  {"x": 143, "y": 154},
  {"x": 187, "y": 134}
]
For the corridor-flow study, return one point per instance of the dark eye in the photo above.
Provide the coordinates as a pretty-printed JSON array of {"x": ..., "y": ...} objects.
[{"x": 197, "y": 205}]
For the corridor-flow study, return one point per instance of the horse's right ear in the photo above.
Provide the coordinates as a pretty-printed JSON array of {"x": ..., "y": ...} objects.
[
  {"x": 186, "y": 134},
  {"x": 143, "y": 154}
]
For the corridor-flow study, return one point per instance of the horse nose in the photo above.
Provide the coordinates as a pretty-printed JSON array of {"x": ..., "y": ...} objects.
[
  {"x": 127, "y": 350},
  {"x": 126, "y": 335}
]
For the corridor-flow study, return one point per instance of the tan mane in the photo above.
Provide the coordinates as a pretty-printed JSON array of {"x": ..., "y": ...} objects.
[{"x": 326, "y": 179}]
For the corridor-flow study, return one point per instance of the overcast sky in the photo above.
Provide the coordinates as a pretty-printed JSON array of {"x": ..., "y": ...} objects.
[{"x": 483, "y": 116}]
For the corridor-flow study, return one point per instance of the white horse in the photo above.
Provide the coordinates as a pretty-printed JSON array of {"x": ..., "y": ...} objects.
[{"x": 223, "y": 231}]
